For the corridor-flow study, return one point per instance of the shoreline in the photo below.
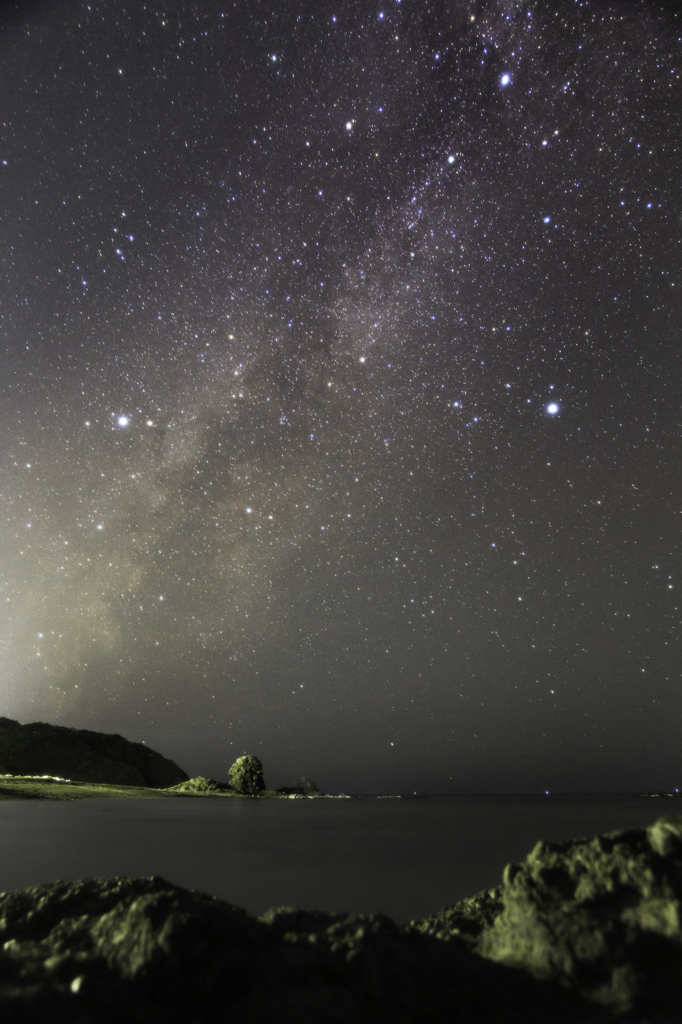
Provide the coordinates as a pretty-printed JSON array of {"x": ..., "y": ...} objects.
[
  {"x": 657, "y": 796},
  {"x": 50, "y": 787}
]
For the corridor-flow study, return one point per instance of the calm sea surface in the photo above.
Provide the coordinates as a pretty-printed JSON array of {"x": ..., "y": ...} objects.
[{"x": 405, "y": 858}]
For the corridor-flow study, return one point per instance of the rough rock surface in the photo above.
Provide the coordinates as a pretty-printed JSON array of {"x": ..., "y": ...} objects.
[
  {"x": 602, "y": 917},
  {"x": 81, "y": 755},
  {"x": 144, "y": 951},
  {"x": 246, "y": 775},
  {"x": 582, "y": 932}
]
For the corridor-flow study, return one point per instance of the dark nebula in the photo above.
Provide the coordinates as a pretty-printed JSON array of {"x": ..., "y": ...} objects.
[{"x": 340, "y": 379}]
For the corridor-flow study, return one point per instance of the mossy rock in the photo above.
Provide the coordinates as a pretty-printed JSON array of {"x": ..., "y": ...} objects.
[{"x": 246, "y": 776}]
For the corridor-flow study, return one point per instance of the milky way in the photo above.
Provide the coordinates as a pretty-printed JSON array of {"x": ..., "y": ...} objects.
[{"x": 340, "y": 387}]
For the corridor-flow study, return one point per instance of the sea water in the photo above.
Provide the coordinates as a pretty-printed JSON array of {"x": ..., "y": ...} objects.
[{"x": 402, "y": 857}]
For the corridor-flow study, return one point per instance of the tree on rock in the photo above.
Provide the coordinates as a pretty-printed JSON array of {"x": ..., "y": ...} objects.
[{"x": 246, "y": 775}]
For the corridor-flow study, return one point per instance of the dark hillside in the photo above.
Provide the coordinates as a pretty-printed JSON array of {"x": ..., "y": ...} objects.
[{"x": 84, "y": 756}]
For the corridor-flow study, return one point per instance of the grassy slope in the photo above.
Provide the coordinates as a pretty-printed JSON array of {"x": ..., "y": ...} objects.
[{"x": 18, "y": 787}]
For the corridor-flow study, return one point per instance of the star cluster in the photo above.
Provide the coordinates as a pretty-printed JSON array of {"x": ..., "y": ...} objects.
[{"x": 340, "y": 390}]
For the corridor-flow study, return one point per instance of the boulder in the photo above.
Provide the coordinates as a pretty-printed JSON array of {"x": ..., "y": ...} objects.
[
  {"x": 82, "y": 756},
  {"x": 246, "y": 776},
  {"x": 601, "y": 917}
]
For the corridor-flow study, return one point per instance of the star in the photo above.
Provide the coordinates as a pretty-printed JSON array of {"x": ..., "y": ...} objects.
[{"x": 350, "y": 277}]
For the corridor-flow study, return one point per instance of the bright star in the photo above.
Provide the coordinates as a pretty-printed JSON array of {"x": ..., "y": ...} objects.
[
  {"x": 552, "y": 408},
  {"x": 505, "y": 80},
  {"x": 123, "y": 421}
]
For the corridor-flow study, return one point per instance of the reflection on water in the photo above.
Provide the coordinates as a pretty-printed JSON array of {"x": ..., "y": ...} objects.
[{"x": 404, "y": 858}]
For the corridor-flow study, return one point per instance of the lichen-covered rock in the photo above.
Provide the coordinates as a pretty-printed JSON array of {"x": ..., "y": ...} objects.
[
  {"x": 83, "y": 756},
  {"x": 603, "y": 917},
  {"x": 201, "y": 784},
  {"x": 246, "y": 775},
  {"x": 145, "y": 951}
]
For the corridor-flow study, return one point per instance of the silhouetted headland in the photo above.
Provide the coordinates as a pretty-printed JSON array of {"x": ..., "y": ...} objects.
[{"x": 54, "y": 762}]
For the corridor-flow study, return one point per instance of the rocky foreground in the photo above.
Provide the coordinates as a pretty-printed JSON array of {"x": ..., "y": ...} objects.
[{"x": 585, "y": 931}]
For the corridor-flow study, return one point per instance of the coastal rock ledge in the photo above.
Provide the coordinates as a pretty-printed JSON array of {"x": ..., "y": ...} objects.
[
  {"x": 83, "y": 756},
  {"x": 582, "y": 931}
]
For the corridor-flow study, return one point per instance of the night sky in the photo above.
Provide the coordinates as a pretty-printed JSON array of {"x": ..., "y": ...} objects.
[{"x": 340, "y": 386}]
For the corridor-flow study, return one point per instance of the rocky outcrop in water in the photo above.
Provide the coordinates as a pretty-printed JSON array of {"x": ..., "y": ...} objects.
[
  {"x": 81, "y": 755},
  {"x": 601, "y": 917},
  {"x": 304, "y": 787},
  {"x": 246, "y": 776}
]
